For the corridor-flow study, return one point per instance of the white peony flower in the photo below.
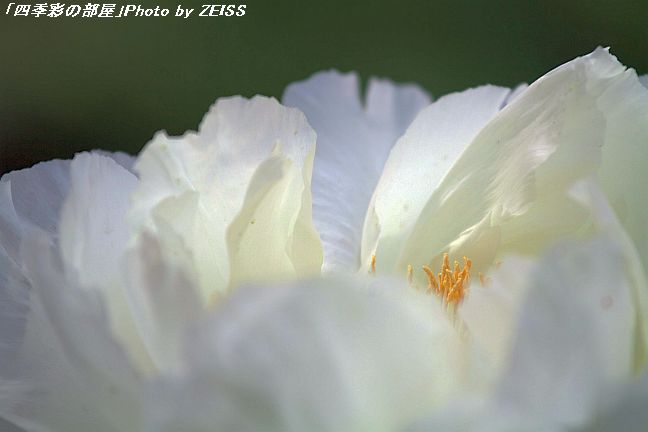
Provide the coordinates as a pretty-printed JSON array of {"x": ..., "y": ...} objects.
[{"x": 276, "y": 271}]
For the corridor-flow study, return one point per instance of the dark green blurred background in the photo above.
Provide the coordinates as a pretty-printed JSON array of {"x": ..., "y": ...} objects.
[{"x": 73, "y": 84}]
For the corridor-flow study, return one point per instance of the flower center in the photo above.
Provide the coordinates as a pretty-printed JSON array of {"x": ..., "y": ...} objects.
[{"x": 450, "y": 283}]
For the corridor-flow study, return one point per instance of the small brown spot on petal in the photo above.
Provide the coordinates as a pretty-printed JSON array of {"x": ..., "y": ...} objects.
[{"x": 607, "y": 302}]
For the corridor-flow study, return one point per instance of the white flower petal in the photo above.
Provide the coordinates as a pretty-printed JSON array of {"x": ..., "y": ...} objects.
[
  {"x": 69, "y": 374},
  {"x": 214, "y": 168},
  {"x": 34, "y": 365},
  {"x": 93, "y": 238},
  {"x": 8, "y": 427},
  {"x": 490, "y": 312},
  {"x": 324, "y": 355},
  {"x": 163, "y": 296},
  {"x": 353, "y": 142},
  {"x": 14, "y": 306},
  {"x": 418, "y": 164},
  {"x": 517, "y": 91},
  {"x": 591, "y": 330},
  {"x": 93, "y": 232},
  {"x": 124, "y": 159},
  {"x": 34, "y": 196},
  {"x": 267, "y": 241},
  {"x": 11, "y": 228},
  {"x": 516, "y": 172},
  {"x": 624, "y": 411},
  {"x": 643, "y": 79},
  {"x": 604, "y": 220},
  {"x": 623, "y": 172},
  {"x": 575, "y": 334}
]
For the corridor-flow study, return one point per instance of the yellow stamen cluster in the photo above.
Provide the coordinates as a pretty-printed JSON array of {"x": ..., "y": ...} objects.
[{"x": 451, "y": 283}]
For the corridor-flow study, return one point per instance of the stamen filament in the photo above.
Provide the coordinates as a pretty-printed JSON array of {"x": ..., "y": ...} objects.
[{"x": 449, "y": 284}]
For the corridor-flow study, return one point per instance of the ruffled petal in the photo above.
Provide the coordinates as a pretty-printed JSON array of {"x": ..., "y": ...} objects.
[
  {"x": 509, "y": 187},
  {"x": 124, "y": 159},
  {"x": 323, "y": 355},
  {"x": 35, "y": 365},
  {"x": 94, "y": 235},
  {"x": 32, "y": 197},
  {"x": 93, "y": 232},
  {"x": 69, "y": 373},
  {"x": 353, "y": 141},
  {"x": 197, "y": 184},
  {"x": 417, "y": 165}
]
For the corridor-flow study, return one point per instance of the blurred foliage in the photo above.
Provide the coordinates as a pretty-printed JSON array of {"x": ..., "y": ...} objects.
[{"x": 70, "y": 84}]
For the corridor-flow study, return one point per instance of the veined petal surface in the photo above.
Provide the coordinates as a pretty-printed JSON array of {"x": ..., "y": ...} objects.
[
  {"x": 507, "y": 192},
  {"x": 353, "y": 142},
  {"x": 418, "y": 163},
  {"x": 197, "y": 186},
  {"x": 60, "y": 350}
]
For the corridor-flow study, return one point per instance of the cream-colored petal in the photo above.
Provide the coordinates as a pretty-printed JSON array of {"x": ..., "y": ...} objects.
[
  {"x": 196, "y": 184},
  {"x": 321, "y": 355},
  {"x": 263, "y": 242},
  {"x": 623, "y": 172},
  {"x": 514, "y": 176},
  {"x": 354, "y": 138},
  {"x": 417, "y": 165}
]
